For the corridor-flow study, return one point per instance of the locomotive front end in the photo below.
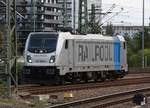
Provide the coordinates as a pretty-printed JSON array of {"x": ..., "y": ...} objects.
[{"x": 40, "y": 55}]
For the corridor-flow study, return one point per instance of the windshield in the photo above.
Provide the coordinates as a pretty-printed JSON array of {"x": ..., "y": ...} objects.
[{"x": 42, "y": 43}]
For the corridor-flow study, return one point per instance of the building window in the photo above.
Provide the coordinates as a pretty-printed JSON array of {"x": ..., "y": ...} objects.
[
  {"x": 42, "y": 26},
  {"x": 68, "y": 11},
  {"x": 55, "y": 10},
  {"x": 57, "y": 18},
  {"x": 52, "y": 1},
  {"x": 47, "y": 25},
  {"x": 42, "y": 8},
  {"x": 42, "y": 1},
  {"x": 50, "y": 9},
  {"x": 42, "y": 17},
  {"x": 59, "y": 11},
  {"x": 54, "y": 17},
  {"x": 68, "y": 5}
]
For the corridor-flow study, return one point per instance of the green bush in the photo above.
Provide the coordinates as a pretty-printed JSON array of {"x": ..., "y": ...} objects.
[{"x": 135, "y": 59}]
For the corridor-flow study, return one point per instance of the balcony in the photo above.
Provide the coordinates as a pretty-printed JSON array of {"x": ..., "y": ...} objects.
[
  {"x": 62, "y": 1},
  {"x": 51, "y": 21},
  {"x": 52, "y": 13},
  {"x": 48, "y": 29},
  {"x": 52, "y": 5}
]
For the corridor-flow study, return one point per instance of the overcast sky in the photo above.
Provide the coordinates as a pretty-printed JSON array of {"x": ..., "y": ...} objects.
[{"x": 131, "y": 14}]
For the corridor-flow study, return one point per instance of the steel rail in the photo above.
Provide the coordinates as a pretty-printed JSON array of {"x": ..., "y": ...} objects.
[
  {"x": 54, "y": 89},
  {"x": 100, "y": 98}
]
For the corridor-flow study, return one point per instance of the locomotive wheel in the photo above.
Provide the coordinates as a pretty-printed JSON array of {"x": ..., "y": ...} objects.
[
  {"x": 110, "y": 76},
  {"x": 62, "y": 80},
  {"x": 84, "y": 77},
  {"x": 57, "y": 80},
  {"x": 103, "y": 79},
  {"x": 122, "y": 74},
  {"x": 95, "y": 76},
  {"x": 23, "y": 78},
  {"x": 22, "y": 81},
  {"x": 69, "y": 77},
  {"x": 74, "y": 81},
  {"x": 103, "y": 76},
  {"x": 76, "y": 78}
]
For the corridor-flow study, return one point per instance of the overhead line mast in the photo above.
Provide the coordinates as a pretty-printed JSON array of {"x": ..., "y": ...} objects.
[
  {"x": 9, "y": 47},
  {"x": 83, "y": 17}
]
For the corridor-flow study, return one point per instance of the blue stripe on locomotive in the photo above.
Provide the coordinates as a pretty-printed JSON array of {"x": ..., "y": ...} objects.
[{"x": 117, "y": 54}]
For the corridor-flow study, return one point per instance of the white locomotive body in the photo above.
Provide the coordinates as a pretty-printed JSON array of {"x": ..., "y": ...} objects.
[{"x": 63, "y": 56}]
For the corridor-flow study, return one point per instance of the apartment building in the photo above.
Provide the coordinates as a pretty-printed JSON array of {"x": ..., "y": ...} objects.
[{"x": 38, "y": 16}]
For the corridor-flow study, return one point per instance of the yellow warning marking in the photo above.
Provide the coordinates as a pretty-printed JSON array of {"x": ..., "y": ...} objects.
[{"x": 68, "y": 95}]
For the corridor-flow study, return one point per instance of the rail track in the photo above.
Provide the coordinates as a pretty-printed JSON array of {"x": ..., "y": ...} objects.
[
  {"x": 105, "y": 100},
  {"x": 139, "y": 70},
  {"x": 31, "y": 87},
  {"x": 53, "y": 89}
]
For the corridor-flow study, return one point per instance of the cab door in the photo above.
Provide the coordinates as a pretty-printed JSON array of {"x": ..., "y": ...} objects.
[{"x": 70, "y": 53}]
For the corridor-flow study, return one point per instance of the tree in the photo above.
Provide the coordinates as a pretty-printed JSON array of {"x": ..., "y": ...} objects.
[
  {"x": 109, "y": 29},
  {"x": 2, "y": 31},
  {"x": 0, "y": 40},
  {"x": 92, "y": 19},
  {"x": 137, "y": 40},
  {"x": 147, "y": 37},
  {"x": 94, "y": 28},
  {"x": 93, "y": 25},
  {"x": 134, "y": 51}
]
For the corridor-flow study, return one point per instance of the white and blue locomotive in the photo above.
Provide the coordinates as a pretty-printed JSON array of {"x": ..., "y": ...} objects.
[{"x": 55, "y": 57}]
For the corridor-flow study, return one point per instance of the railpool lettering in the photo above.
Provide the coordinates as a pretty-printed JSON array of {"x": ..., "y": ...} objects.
[
  {"x": 83, "y": 53},
  {"x": 96, "y": 52},
  {"x": 101, "y": 53}
]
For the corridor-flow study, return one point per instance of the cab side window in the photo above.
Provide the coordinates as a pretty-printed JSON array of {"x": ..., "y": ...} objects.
[
  {"x": 124, "y": 45},
  {"x": 66, "y": 44}
]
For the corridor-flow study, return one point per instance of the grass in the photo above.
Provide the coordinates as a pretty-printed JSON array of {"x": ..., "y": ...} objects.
[{"x": 20, "y": 103}]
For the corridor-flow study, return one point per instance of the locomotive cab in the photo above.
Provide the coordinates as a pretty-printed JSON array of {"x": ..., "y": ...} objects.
[
  {"x": 40, "y": 56},
  {"x": 123, "y": 55}
]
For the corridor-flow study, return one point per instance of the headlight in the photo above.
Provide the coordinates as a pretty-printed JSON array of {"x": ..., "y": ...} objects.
[
  {"x": 29, "y": 59},
  {"x": 52, "y": 59}
]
